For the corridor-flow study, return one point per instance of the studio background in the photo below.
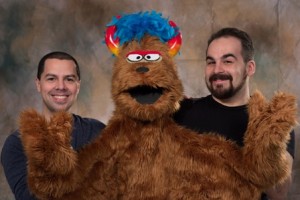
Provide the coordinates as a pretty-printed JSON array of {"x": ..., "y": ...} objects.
[{"x": 31, "y": 28}]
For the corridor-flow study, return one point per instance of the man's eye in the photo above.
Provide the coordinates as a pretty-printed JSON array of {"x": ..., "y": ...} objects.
[
  {"x": 227, "y": 61},
  {"x": 152, "y": 57},
  {"x": 71, "y": 80},
  {"x": 50, "y": 79},
  {"x": 134, "y": 57},
  {"x": 210, "y": 62}
]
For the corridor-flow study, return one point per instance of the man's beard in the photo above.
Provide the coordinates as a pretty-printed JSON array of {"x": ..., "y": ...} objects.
[{"x": 224, "y": 93}]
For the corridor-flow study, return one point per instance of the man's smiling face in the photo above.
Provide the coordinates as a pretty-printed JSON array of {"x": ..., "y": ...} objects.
[
  {"x": 59, "y": 85},
  {"x": 226, "y": 71}
]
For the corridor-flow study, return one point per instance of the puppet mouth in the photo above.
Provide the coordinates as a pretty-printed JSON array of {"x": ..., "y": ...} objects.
[{"x": 145, "y": 94}]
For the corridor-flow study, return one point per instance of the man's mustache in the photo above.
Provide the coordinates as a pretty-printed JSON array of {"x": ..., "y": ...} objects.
[{"x": 215, "y": 77}]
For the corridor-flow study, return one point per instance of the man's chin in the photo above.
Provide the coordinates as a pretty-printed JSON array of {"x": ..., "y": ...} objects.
[
  {"x": 221, "y": 93},
  {"x": 61, "y": 108}
]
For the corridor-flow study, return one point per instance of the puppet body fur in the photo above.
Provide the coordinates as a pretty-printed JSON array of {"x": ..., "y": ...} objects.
[{"x": 144, "y": 154}]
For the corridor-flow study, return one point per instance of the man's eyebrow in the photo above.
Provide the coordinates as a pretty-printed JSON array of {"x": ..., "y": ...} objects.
[
  {"x": 71, "y": 75},
  {"x": 49, "y": 75},
  {"x": 228, "y": 55},
  {"x": 209, "y": 58},
  {"x": 66, "y": 76}
]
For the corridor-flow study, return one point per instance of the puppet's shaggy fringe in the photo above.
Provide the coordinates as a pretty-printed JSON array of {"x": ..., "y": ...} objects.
[{"x": 135, "y": 26}]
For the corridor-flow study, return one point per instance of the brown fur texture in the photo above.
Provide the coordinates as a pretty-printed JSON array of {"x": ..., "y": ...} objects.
[{"x": 143, "y": 154}]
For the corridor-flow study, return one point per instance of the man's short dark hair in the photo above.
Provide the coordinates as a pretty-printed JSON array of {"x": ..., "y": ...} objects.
[
  {"x": 246, "y": 41},
  {"x": 57, "y": 55}
]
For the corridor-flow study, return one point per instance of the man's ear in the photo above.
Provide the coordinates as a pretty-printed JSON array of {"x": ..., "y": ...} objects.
[
  {"x": 78, "y": 86},
  {"x": 38, "y": 85},
  {"x": 251, "y": 67}
]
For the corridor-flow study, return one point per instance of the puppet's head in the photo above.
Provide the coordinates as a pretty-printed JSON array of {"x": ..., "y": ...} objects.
[{"x": 145, "y": 83}]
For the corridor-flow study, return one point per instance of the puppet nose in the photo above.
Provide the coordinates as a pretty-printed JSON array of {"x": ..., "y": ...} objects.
[{"x": 142, "y": 69}]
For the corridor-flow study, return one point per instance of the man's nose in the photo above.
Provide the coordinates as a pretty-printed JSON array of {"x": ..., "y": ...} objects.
[
  {"x": 60, "y": 84},
  {"x": 218, "y": 67}
]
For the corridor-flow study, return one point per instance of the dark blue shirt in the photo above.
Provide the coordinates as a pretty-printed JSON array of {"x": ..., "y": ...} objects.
[{"x": 14, "y": 160}]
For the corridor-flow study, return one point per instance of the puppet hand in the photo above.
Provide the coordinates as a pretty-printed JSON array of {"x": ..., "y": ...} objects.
[
  {"x": 47, "y": 144},
  {"x": 283, "y": 111},
  {"x": 276, "y": 118},
  {"x": 268, "y": 132}
]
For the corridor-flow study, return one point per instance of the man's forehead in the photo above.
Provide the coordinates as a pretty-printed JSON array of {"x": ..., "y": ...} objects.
[
  {"x": 224, "y": 47},
  {"x": 58, "y": 66},
  {"x": 67, "y": 68},
  {"x": 229, "y": 42},
  {"x": 52, "y": 61}
]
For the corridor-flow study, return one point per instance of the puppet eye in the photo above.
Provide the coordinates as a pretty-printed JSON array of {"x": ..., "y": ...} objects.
[
  {"x": 152, "y": 57},
  {"x": 134, "y": 57}
]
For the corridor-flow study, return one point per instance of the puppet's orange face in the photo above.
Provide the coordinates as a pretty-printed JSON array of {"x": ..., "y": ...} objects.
[{"x": 145, "y": 82}]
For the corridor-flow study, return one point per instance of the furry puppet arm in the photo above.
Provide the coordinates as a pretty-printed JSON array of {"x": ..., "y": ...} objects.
[
  {"x": 51, "y": 160},
  {"x": 264, "y": 152},
  {"x": 55, "y": 170}
]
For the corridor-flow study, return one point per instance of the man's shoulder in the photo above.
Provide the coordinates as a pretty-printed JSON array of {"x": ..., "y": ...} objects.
[
  {"x": 13, "y": 138},
  {"x": 85, "y": 123},
  {"x": 84, "y": 130},
  {"x": 188, "y": 102},
  {"x": 191, "y": 106},
  {"x": 86, "y": 120}
]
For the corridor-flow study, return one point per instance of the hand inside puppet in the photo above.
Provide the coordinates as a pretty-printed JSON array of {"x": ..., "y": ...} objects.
[{"x": 143, "y": 153}]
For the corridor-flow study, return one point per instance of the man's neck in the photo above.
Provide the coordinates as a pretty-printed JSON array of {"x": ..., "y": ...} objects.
[
  {"x": 237, "y": 100},
  {"x": 48, "y": 114}
]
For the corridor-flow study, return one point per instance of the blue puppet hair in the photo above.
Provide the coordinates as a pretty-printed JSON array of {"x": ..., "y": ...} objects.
[{"x": 135, "y": 26}]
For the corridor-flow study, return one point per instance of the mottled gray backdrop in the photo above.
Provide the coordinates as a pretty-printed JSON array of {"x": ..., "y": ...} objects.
[{"x": 31, "y": 28}]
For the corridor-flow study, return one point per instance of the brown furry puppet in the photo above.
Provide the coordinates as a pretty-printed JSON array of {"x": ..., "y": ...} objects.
[{"x": 142, "y": 153}]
